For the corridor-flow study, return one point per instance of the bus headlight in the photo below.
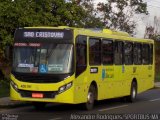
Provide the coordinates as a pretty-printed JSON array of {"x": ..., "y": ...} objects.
[
  {"x": 65, "y": 87},
  {"x": 68, "y": 85},
  {"x": 14, "y": 85}
]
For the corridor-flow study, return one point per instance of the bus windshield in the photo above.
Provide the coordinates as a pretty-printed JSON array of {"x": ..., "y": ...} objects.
[{"x": 43, "y": 58}]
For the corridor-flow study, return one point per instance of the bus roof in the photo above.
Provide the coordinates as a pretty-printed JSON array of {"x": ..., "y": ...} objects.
[{"x": 97, "y": 32}]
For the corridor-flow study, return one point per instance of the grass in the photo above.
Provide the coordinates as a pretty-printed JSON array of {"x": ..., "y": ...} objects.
[{"x": 4, "y": 88}]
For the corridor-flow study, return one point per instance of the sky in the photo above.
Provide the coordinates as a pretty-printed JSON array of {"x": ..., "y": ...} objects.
[
  {"x": 153, "y": 9},
  {"x": 143, "y": 20}
]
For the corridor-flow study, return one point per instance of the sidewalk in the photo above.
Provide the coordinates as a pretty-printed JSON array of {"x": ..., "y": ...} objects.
[
  {"x": 7, "y": 103},
  {"x": 157, "y": 84}
]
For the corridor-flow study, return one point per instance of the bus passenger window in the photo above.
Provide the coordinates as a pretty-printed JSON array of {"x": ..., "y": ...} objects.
[
  {"x": 128, "y": 53},
  {"x": 145, "y": 54},
  {"x": 137, "y": 54},
  {"x": 81, "y": 54},
  {"x": 118, "y": 52},
  {"x": 94, "y": 51},
  {"x": 107, "y": 52}
]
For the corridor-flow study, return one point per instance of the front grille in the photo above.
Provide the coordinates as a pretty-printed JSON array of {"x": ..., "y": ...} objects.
[
  {"x": 46, "y": 94},
  {"x": 39, "y": 78}
]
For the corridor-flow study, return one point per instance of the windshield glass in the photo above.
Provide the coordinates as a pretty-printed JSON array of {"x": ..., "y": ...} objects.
[{"x": 42, "y": 58}]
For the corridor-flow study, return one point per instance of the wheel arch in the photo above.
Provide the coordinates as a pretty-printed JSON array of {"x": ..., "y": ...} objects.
[
  {"x": 135, "y": 81},
  {"x": 96, "y": 88}
]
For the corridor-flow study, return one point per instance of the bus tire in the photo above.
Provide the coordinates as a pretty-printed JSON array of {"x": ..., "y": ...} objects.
[
  {"x": 133, "y": 93},
  {"x": 39, "y": 105},
  {"x": 90, "y": 98}
]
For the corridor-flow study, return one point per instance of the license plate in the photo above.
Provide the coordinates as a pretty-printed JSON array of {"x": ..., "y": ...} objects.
[{"x": 37, "y": 95}]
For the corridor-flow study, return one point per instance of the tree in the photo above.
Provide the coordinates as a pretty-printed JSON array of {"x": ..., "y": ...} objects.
[
  {"x": 118, "y": 14},
  {"x": 90, "y": 18},
  {"x": 152, "y": 30}
]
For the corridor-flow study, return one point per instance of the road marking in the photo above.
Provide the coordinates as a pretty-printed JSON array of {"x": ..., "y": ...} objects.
[
  {"x": 155, "y": 100},
  {"x": 55, "y": 119},
  {"x": 113, "y": 108}
]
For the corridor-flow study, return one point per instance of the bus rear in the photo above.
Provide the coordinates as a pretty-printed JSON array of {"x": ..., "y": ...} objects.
[{"x": 43, "y": 65}]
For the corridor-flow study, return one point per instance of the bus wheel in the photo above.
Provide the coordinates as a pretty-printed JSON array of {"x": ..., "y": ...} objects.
[
  {"x": 133, "y": 94},
  {"x": 90, "y": 98},
  {"x": 39, "y": 105}
]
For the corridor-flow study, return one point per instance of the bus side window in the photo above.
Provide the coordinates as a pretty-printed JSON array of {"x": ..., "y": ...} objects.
[
  {"x": 145, "y": 54},
  {"x": 128, "y": 53},
  {"x": 137, "y": 54},
  {"x": 81, "y": 54},
  {"x": 94, "y": 51},
  {"x": 107, "y": 52},
  {"x": 118, "y": 52}
]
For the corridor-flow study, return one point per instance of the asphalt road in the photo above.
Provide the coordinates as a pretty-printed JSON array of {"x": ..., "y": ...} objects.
[{"x": 146, "y": 107}]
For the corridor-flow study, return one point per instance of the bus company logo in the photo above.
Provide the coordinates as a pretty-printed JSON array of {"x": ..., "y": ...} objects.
[{"x": 43, "y": 34}]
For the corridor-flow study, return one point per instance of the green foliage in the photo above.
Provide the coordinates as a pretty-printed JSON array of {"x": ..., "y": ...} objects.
[
  {"x": 118, "y": 14},
  {"x": 4, "y": 88},
  {"x": 90, "y": 16}
]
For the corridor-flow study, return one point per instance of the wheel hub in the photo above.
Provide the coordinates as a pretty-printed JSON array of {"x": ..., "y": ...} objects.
[
  {"x": 134, "y": 93},
  {"x": 90, "y": 97}
]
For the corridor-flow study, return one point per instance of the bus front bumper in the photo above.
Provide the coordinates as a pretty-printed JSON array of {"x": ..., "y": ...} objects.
[{"x": 42, "y": 96}]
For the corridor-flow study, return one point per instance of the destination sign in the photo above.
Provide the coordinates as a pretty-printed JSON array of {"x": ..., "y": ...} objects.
[
  {"x": 38, "y": 35},
  {"x": 44, "y": 34}
]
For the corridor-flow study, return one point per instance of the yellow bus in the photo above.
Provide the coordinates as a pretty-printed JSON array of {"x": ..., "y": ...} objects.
[{"x": 78, "y": 66}]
